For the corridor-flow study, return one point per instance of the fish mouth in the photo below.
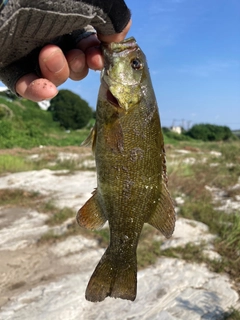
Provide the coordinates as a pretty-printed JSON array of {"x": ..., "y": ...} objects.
[
  {"x": 119, "y": 48},
  {"x": 108, "y": 94},
  {"x": 112, "y": 100}
]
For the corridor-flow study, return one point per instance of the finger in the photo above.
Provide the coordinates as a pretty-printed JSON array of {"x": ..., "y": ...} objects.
[
  {"x": 94, "y": 58},
  {"x": 91, "y": 41},
  {"x": 36, "y": 89},
  {"x": 77, "y": 64},
  {"x": 53, "y": 64},
  {"x": 91, "y": 47},
  {"x": 117, "y": 37}
]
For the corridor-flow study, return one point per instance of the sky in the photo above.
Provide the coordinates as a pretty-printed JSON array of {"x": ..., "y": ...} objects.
[{"x": 193, "y": 53}]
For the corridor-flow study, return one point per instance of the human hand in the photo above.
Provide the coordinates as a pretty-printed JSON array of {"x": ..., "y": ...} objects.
[{"x": 56, "y": 67}]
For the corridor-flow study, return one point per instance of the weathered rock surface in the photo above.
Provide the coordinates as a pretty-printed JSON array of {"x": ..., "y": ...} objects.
[
  {"x": 69, "y": 190},
  {"x": 48, "y": 281},
  {"x": 172, "y": 289}
]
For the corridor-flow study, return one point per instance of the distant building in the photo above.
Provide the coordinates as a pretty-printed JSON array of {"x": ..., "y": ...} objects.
[
  {"x": 176, "y": 129},
  {"x": 44, "y": 104}
]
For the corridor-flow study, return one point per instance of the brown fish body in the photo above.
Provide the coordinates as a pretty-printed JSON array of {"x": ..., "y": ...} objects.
[{"x": 131, "y": 171}]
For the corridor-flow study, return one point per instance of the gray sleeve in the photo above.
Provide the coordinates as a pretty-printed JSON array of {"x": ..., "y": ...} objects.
[{"x": 26, "y": 26}]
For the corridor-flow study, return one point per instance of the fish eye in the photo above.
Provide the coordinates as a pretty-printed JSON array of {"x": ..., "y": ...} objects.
[{"x": 136, "y": 64}]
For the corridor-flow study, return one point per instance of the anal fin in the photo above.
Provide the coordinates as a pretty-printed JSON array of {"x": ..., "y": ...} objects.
[
  {"x": 91, "y": 216},
  {"x": 164, "y": 217}
]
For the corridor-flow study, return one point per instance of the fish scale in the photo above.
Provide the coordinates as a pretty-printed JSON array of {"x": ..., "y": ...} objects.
[{"x": 131, "y": 170}]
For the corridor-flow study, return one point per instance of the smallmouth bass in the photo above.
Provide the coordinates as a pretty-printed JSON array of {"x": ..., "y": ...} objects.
[{"x": 131, "y": 170}]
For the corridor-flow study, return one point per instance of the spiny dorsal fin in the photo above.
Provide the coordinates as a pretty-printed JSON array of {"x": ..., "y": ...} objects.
[
  {"x": 164, "y": 216},
  {"x": 91, "y": 216}
]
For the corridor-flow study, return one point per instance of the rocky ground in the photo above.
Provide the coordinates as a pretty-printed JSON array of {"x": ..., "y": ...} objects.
[{"x": 48, "y": 280}]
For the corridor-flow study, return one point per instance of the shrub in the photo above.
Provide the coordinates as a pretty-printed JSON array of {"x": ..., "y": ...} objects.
[
  {"x": 70, "y": 110},
  {"x": 210, "y": 132}
]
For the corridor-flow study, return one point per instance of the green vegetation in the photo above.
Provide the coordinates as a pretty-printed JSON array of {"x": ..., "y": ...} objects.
[
  {"x": 58, "y": 216},
  {"x": 232, "y": 314},
  {"x": 9, "y": 163},
  {"x": 23, "y": 124},
  {"x": 70, "y": 110},
  {"x": 200, "y": 132},
  {"x": 190, "y": 253},
  {"x": 198, "y": 203},
  {"x": 173, "y": 137},
  {"x": 148, "y": 250},
  {"x": 210, "y": 132},
  {"x": 102, "y": 237},
  {"x": 12, "y": 197},
  {"x": 16, "y": 160}
]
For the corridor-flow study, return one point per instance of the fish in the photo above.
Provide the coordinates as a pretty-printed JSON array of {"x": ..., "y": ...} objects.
[{"x": 130, "y": 158}]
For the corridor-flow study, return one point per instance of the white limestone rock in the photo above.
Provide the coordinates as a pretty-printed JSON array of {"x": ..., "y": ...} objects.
[{"x": 170, "y": 290}]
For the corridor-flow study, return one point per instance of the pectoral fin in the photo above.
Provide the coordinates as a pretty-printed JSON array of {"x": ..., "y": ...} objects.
[
  {"x": 91, "y": 216},
  {"x": 164, "y": 216},
  {"x": 91, "y": 139}
]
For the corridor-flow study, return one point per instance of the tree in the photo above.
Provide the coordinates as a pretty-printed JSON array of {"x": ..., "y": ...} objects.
[
  {"x": 209, "y": 132},
  {"x": 71, "y": 111}
]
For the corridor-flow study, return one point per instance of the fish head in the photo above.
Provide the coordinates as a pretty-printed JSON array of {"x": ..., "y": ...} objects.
[{"x": 124, "y": 73}]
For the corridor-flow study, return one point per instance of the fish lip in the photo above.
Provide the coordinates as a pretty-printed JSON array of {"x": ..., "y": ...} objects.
[
  {"x": 119, "y": 48},
  {"x": 110, "y": 97}
]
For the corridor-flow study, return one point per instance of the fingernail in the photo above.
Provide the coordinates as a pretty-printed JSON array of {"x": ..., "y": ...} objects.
[
  {"x": 77, "y": 64},
  {"x": 55, "y": 62}
]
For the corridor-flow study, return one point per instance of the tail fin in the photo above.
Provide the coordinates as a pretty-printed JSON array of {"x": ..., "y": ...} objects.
[{"x": 110, "y": 278}]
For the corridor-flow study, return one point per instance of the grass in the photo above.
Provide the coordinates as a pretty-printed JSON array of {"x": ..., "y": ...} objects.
[
  {"x": 9, "y": 163},
  {"x": 19, "y": 197},
  {"x": 232, "y": 314},
  {"x": 29, "y": 127},
  {"x": 148, "y": 250},
  {"x": 228, "y": 246},
  {"x": 147, "y": 253},
  {"x": 102, "y": 237},
  {"x": 190, "y": 253},
  {"x": 19, "y": 160},
  {"x": 198, "y": 203},
  {"x": 59, "y": 216}
]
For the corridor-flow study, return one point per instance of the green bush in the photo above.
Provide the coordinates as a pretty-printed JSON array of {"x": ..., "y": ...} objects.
[
  {"x": 6, "y": 130},
  {"x": 70, "y": 110},
  {"x": 210, "y": 132},
  {"x": 176, "y": 136}
]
